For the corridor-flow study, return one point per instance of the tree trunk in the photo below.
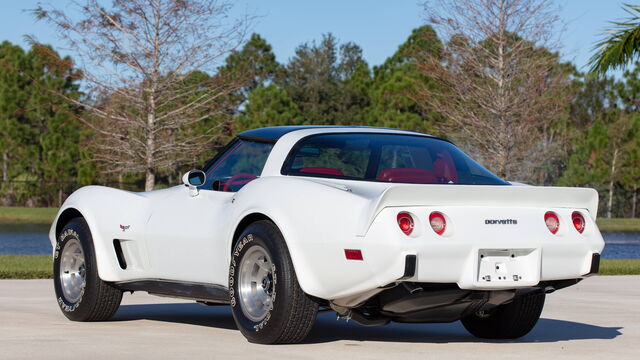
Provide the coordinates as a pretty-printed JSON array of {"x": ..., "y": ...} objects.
[
  {"x": 503, "y": 120},
  {"x": 120, "y": 181},
  {"x": 634, "y": 200},
  {"x": 5, "y": 167},
  {"x": 613, "y": 173},
  {"x": 150, "y": 180}
]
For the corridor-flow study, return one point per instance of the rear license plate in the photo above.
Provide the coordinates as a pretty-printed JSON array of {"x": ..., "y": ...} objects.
[{"x": 508, "y": 265}]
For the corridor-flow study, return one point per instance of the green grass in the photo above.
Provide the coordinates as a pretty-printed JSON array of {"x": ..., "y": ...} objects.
[
  {"x": 22, "y": 215},
  {"x": 40, "y": 267},
  {"x": 26, "y": 266},
  {"x": 619, "y": 267},
  {"x": 618, "y": 224}
]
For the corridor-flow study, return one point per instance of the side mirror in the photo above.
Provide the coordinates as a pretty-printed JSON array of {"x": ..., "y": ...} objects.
[{"x": 193, "y": 179}]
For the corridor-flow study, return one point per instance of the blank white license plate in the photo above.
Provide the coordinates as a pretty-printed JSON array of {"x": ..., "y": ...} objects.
[{"x": 507, "y": 265}]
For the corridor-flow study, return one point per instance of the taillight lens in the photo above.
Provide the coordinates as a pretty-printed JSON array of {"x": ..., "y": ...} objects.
[
  {"x": 405, "y": 222},
  {"x": 552, "y": 222},
  {"x": 578, "y": 221},
  {"x": 437, "y": 222}
]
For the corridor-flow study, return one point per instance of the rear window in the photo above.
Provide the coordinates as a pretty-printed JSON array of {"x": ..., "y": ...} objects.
[{"x": 386, "y": 158}]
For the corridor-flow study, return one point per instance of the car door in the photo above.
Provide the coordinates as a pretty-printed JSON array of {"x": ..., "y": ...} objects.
[{"x": 186, "y": 234}]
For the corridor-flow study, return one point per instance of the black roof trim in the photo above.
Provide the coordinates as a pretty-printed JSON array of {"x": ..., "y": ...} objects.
[{"x": 273, "y": 133}]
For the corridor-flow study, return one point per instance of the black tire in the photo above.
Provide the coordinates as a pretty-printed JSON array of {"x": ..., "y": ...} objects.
[
  {"x": 98, "y": 300},
  {"x": 509, "y": 321},
  {"x": 292, "y": 312}
]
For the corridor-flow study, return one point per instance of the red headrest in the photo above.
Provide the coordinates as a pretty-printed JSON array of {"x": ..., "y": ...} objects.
[
  {"x": 407, "y": 175},
  {"x": 444, "y": 168},
  {"x": 322, "y": 170}
]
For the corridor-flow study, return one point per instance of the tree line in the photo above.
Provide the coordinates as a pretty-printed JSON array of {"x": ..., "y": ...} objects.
[{"x": 498, "y": 92}]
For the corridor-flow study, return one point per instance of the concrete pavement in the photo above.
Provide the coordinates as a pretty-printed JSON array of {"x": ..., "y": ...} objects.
[{"x": 599, "y": 317}]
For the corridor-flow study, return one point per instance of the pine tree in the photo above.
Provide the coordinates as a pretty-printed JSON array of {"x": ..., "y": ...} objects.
[
  {"x": 393, "y": 87},
  {"x": 325, "y": 81}
]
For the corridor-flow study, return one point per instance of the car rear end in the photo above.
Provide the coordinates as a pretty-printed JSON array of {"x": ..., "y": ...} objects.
[
  {"x": 438, "y": 237},
  {"x": 484, "y": 245}
]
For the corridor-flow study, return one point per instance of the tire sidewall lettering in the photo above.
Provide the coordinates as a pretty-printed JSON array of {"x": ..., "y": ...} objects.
[
  {"x": 236, "y": 255},
  {"x": 63, "y": 238},
  {"x": 232, "y": 267}
]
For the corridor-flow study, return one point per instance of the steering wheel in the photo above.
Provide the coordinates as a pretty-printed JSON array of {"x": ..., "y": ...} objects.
[{"x": 238, "y": 179}]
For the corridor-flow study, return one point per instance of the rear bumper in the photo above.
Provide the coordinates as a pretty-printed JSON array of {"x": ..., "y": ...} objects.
[
  {"x": 411, "y": 268},
  {"x": 464, "y": 265}
]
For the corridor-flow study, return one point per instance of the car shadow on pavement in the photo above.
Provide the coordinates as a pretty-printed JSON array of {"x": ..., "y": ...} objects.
[
  {"x": 183, "y": 313},
  {"x": 328, "y": 329}
]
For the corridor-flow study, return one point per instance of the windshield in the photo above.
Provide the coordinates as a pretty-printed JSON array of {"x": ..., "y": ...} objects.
[{"x": 386, "y": 158}]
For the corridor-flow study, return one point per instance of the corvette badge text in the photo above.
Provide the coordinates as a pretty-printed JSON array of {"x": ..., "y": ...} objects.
[{"x": 501, "y": 222}]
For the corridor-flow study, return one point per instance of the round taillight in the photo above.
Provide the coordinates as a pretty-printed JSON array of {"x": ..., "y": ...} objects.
[
  {"x": 552, "y": 221},
  {"x": 578, "y": 221},
  {"x": 437, "y": 222},
  {"x": 405, "y": 222}
]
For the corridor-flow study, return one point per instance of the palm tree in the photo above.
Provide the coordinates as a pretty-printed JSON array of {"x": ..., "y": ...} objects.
[{"x": 621, "y": 45}]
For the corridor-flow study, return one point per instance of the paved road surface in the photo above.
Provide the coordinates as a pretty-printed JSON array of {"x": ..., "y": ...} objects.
[{"x": 598, "y": 318}]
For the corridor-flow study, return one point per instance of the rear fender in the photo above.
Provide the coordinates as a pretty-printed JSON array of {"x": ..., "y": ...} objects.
[{"x": 317, "y": 221}]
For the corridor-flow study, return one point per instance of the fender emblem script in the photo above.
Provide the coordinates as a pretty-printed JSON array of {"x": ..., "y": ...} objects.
[
  {"x": 124, "y": 227},
  {"x": 501, "y": 222}
]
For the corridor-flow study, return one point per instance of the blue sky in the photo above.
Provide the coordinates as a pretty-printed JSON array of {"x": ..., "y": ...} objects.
[{"x": 377, "y": 26}]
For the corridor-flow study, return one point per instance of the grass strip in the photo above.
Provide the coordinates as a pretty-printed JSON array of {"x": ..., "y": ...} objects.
[
  {"x": 619, "y": 267},
  {"x": 24, "y": 215},
  {"x": 26, "y": 266},
  {"x": 623, "y": 225}
]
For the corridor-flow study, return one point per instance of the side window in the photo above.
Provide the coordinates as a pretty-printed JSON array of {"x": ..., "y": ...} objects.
[
  {"x": 241, "y": 164},
  {"x": 333, "y": 155}
]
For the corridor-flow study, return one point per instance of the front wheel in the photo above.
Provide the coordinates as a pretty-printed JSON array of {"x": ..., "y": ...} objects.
[
  {"x": 269, "y": 307},
  {"x": 508, "y": 321},
  {"x": 81, "y": 294}
]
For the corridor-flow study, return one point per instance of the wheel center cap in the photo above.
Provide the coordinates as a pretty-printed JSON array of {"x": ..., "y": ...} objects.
[{"x": 266, "y": 284}]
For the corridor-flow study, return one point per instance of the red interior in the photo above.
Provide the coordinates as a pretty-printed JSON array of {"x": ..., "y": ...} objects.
[
  {"x": 322, "y": 170},
  {"x": 413, "y": 175},
  {"x": 444, "y": 168}
]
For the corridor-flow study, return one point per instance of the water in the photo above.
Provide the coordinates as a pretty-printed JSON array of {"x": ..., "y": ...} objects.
[
  {"x": 31, "y": 239},
  {"x": 24, "y": 239},
  {"x": 620, "y": 245}
]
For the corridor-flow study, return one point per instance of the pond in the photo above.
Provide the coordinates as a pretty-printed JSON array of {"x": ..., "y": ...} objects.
[{"x": 32, "y": 239}]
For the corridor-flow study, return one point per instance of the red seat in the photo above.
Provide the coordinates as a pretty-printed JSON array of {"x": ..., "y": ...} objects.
[
  {"x": 412, "y": 175},
  {"x": 322, "y": 170},
  {"x": 444, "y": 168}
]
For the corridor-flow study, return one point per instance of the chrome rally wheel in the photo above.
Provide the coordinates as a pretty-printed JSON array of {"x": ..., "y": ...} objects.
[
  {"x": 72, "y": 271},
  {"x": 80, "y": 293},
  {"x": 267, "y": 303},
  {"x": 256, "y": 287}
]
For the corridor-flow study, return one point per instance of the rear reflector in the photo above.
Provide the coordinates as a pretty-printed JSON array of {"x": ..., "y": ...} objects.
[
  {"x": 353, "y": 254},
  {"x": 437, "y": 222},
  {"x": 578, "y": 221},
  {"x": 552, "y": 221},
  {"x": 405, "y": 222}
]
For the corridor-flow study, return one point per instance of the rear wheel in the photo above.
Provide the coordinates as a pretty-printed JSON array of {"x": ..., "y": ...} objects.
[
  {"x": 81, "y": 294},
  {"x": 508, "y": 321},
  {"x": 269, "y": 307}
]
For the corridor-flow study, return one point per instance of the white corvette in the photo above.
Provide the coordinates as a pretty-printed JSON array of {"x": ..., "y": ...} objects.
[{"x": 376, "y": 224}]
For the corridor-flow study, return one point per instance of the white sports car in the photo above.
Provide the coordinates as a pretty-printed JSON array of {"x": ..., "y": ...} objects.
[{"x": 377, "y": 225}]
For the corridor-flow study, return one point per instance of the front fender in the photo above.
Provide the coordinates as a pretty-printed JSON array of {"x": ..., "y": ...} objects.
[{"x": 105, "y": 210}]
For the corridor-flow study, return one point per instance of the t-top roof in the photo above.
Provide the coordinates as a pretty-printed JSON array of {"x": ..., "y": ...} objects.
[{"x": 273, "y": 133}]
